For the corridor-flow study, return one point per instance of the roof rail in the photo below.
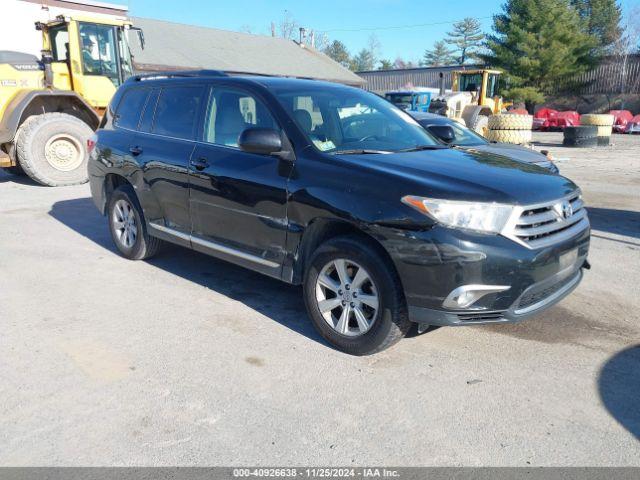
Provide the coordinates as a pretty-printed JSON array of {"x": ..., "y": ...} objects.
[{"x": 177, "y": 74}]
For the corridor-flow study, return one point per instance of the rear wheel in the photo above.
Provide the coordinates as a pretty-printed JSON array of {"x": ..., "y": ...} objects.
[
  {"x": 127, "y": 227},
  {"x": 52, "y": 149},
  {"x": 354, "y": 297}
]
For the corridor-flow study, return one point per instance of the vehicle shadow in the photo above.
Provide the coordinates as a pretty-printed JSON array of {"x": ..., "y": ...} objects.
[
  {"x": 6, "y": 177},
  {"x": 277, "y": 300},
  {"x": 620, "y": 222},
  {"x": 619, "y": 388}
]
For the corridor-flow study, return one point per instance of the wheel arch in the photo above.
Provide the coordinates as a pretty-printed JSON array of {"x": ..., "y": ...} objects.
[
  {"x": 33, "y": 102},
  {"x": 321, "y": 230}
]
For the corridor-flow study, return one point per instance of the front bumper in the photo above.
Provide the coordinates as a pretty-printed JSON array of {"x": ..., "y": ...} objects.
[
  {"x": 534, "y": 300},
  {"x": 431, "y": 264}
]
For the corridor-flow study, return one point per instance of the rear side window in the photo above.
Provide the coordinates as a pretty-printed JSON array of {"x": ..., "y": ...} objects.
[
  {"x": 130, "y": 108},
  {"x": 150, "y": 108},
  {"x": 177, "y": 111}
]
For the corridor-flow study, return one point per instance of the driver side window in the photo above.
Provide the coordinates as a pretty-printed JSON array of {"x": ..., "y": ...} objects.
[{"x": 230, "y": 112}]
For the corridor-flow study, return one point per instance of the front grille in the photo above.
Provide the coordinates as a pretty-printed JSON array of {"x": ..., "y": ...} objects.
[
  {"x": 480, "y": 316},
  {"x": 544, "y": 224},
  {"x": 534, "y": 297}
]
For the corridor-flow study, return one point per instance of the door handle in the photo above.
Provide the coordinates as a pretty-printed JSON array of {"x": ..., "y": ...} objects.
[
  {"x": 135, "y": 151},
  {"x": 199, "y": 164}
]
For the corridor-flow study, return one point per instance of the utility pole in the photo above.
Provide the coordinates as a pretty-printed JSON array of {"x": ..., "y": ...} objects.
[{"x": 273, "y": 29}]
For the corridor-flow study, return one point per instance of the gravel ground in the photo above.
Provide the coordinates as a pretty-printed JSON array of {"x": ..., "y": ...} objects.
[{"x": 187, "y": 360}]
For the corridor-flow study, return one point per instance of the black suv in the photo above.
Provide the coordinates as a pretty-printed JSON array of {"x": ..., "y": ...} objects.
[{"x": 334, "y": 188}]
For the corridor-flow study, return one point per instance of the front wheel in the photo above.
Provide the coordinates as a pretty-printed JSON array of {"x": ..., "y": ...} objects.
[{"x": 354, "y": 297}]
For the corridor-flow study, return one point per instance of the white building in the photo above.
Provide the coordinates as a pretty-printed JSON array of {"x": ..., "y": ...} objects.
[{"x": 18, "y": 31}]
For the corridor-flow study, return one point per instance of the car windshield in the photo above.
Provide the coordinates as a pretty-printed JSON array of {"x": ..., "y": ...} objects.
[
  {"x": 346, "y": 120},
  {"x": 463, "y": 137}
]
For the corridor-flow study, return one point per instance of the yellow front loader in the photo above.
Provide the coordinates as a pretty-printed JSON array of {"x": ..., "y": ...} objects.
[
  {"x": 50, "y": 107},
  {"x": 473, "y": 98}
]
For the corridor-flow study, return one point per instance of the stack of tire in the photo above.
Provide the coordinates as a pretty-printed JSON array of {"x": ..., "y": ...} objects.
[
  {"x": 582, "y": 136},
  {"x": 510, "y": 128},
  {"x": 604, "y": 124}
]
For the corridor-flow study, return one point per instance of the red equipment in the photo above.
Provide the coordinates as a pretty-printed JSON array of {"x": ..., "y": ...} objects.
[
  {"x": 545, "y": 118},
  {"x": 633, "y": 126},
  {"x": 621, "y": 119},
  {"x": 568, "y": 118}
]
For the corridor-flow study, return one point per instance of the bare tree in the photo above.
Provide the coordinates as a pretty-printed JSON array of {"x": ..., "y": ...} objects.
[
  {"x": 320, "y": 40},
  {"x": 626, "y": 46},
  {"x": 246, "y": 28},
  {"x": 374, "y": 48},
  {"x": 288, "y": 27}
]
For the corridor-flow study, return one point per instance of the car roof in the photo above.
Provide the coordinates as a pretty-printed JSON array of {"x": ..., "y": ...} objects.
[
  {"x": 214, "y": 75},
  {"x": 432, "y": 117}
]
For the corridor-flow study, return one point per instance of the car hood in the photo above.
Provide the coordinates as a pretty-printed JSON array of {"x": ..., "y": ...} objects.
[
  {"x": 470, "y": 175},
  {"x": 514, "y": 152}
]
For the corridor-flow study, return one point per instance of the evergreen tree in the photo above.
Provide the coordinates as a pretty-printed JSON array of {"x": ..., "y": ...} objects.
[
  {"x": 467, "y": 38},
  {"x": 438, "y": 56},
  {"x": 538, "y": 43},
  {"x": 363, "y": 61},
  {"x": 602, "y": 20},
  {"x": 385, "y": 64},
  {"x": 338, "y": 52}
]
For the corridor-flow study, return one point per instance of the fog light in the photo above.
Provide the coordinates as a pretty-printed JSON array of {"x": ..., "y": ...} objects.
[{"x": 467, "y": 295}]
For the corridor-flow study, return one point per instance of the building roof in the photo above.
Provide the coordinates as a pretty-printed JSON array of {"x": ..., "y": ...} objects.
[
  {"x": 171, "y": 45},
  {"x": 381, "y": 81}
]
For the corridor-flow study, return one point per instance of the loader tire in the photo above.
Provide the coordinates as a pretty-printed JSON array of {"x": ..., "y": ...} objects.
[
  {"x": 582, "y": 131},
  {"x": 52, "y": 149},
  {"x": 517, "y": 137},
  {"x": 510, "y": 121},
  {"x": 600, "y": 120}
]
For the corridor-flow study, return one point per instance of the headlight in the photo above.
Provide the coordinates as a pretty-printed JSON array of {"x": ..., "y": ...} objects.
[{"x": 482, "y": 217}]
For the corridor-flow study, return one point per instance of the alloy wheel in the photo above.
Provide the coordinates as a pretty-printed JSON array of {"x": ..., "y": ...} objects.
[
  {"x": 347, "y": 297},
  {"x": 124, "y": 223}
]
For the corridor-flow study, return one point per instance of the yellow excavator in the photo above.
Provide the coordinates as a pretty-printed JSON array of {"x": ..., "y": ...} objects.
[
  {"x": 50, "y": 107},
  {"x": 473, "y": 98}
]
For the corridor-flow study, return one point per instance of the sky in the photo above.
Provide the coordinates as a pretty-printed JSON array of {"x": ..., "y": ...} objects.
[{"x": 404, "y": 28}]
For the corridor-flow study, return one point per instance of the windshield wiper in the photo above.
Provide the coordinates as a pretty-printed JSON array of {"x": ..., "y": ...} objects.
[
  {"x": 424, "y": 147},
  {"x": 359, "y": 151}
]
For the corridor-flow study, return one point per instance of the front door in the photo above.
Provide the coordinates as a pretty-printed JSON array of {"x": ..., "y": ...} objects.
[{"x": 238, "y": 199}]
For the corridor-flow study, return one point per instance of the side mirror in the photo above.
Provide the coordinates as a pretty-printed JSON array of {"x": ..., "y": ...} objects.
[
  {"x": 263, "y": 141},
  {"x": 140, "y": 35},
  {"x": 443, "y": 132}
]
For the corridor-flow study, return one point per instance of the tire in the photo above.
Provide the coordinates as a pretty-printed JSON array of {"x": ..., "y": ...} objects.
[
  {"x": 583, "y": 131},
  {"x": 482, "y": 125},
  {"x": 517, "y": 137},
  {"x": 390, "y": 321},
  {"x": 510, "y": 121},
  {"x": 600, "y": 120},
  {"x": 580, "y": 142},
  {"x": 143, "y": 245},
  {"x": 52, "y": 149}
]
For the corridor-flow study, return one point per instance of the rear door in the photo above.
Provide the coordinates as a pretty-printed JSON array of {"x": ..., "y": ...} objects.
[
  {"x": 162, "y": 148},
  {"x": 238, "y": 199}
]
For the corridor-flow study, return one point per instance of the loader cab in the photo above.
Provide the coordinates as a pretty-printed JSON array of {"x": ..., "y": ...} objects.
[
  {"x": 92, "y": 58},
  {"x": 482, "y": 84}
]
